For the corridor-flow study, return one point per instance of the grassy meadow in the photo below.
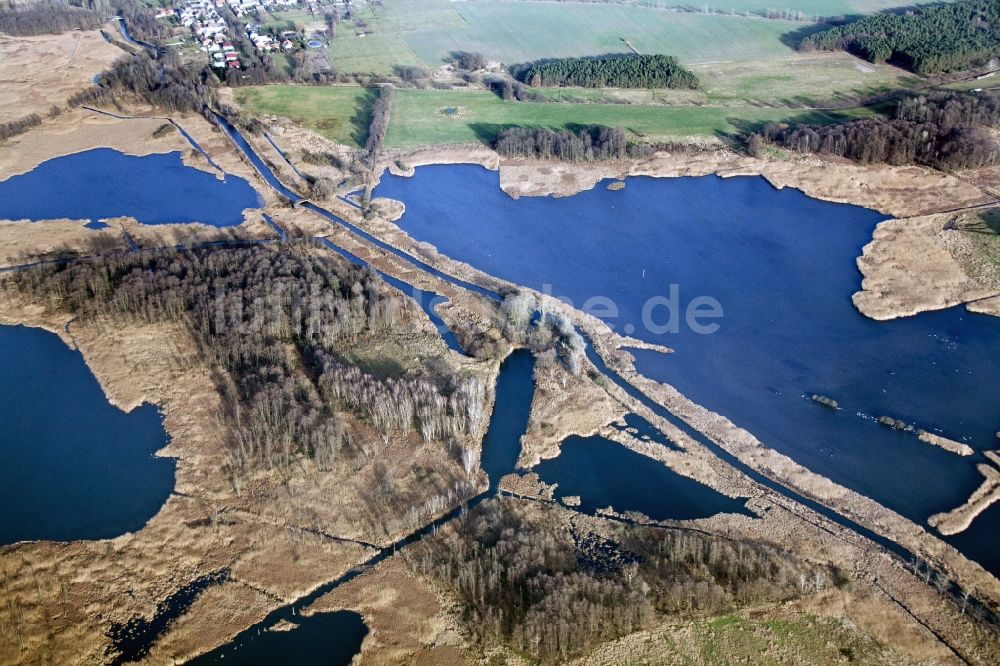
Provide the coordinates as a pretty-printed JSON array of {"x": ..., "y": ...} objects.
[
  {"x": 341, "y": 114},
  {"x": 434, "y": 117},
  {"x": 437, "y": 117},
  {"x": 748, "y": 68},
  {"x": 514, "y": 32},
  {"x": 427, "y": 32}
]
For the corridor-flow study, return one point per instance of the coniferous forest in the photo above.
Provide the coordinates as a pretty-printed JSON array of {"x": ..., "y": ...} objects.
[
  {"x": 936, "y": 38},
  {"x": 618, "y": 71}
]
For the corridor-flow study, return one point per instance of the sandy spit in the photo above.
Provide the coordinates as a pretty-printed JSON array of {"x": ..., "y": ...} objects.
[
  {"x": 949, "y": 445},
  {"x": 958, "y": 520}
]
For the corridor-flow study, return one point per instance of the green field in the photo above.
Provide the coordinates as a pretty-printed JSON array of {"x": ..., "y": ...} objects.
[
  {"x": 794, "y": 80},
  {"x": 435, "y": 117},
  {"x": 370, "y": 54},
  {"x": 514, "y": 32},
  {"x": 800, "y": 78},
  {"x": 748, "y": 69},
  {"x": 808, "y": 8},
  {"x": 419, "y": 118},
  {"x": 427, "y": 32},
  {"x": 340, "y": 114}
]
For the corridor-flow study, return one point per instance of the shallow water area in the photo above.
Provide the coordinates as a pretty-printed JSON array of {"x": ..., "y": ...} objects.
[{"x": 782, "y": 268}]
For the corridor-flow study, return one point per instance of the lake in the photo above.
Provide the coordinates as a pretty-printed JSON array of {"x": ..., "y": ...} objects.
[
  {"x": 72, "y": 466},
  {"x": 605, "y": 474},
  {"x": 104, "y": 183},
  {"x": 782, "y": 267}
]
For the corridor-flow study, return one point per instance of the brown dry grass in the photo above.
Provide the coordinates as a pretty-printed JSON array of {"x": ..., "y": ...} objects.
[
  {"x": 25, "y": 242},
  {"x": 39, "y": 72},
  {"x": 908, "y": 268},
  {"x": 63, "y": 597},
  {"x": 403, "y": 614},
  {"x": 563, "y": 405}
]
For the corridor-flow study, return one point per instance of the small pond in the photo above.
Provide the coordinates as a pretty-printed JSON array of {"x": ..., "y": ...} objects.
[
  {"x": 331, "y": 639},
  {"x": 605, "y": 474}
]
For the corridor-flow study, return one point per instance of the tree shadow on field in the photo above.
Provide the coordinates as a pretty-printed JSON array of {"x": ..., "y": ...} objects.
[
  {"x": 487, "y": 132},
  {"x": 742, "y": 127},
  {"x": 361, "y": 120},
  {"x": 793, "y": 38}
]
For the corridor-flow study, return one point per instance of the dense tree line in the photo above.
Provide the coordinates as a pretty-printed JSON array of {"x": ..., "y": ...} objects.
[
  {"x": 929, "y": 39},
  {"x": 273, "y": 321},
  {"x": 591, "y": 143},
  {"x": 950, "y": 109},
  {"x": 944, "y": 131},
  {"x": 43, "y": 17},
  {"x": 525, "y": 581},
  {"x": 618, "y": 71},
  {"x": 166, "y": 83},
  {"x": 379, "y": 124},
  {"x": 19, "y": 126}
]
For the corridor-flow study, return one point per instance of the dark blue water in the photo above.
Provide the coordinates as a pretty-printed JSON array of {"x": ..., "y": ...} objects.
[
  {"x": 782, "y": 266},
  {"x": 331, "y": 639},
  {"x": 71, "y": 465},
  {"x": 514, "y": 392},
  {"x": 102, "y": 183},
  {"x": 604, "y": 474}
]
